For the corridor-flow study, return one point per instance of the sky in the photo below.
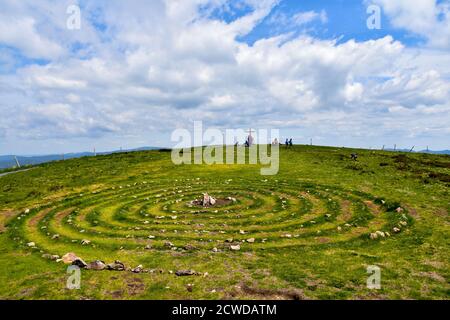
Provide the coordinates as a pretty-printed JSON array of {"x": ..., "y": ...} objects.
[{"x": 134, "y": 71}]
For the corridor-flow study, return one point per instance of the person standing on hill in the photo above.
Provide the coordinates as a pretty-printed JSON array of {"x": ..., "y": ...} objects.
[
  {"x": 287, "y": 143},
  {"x": 290, "y": 142}
]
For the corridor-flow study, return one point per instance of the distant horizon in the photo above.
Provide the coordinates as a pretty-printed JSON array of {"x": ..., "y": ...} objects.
[{"x": 387, "y": 148}]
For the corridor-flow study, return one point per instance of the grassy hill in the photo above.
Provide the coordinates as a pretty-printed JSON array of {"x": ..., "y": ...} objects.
[{"x": 303, "y": 234}]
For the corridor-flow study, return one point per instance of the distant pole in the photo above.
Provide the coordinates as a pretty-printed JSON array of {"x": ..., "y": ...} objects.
[
  {"x": 310, "y": 141},
  {"x": 17, "y": 161},
  {"x": 427, "y": 149},
  {"x": 95, "y": 153},
  {"x": 395, "y": 147},
  {"x": 412, "y": 149},
  {"x": 63, "y": 156},
  {"x": 382, "y": 148}
]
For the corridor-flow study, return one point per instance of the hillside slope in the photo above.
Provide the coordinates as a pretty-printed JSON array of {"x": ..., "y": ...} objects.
[{"x": 305, "y": 233}]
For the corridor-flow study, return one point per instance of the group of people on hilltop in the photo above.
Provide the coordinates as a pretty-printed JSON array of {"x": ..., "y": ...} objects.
[
  {"x": 288, "y": 142},
  {"x": 275, "y": 142}
]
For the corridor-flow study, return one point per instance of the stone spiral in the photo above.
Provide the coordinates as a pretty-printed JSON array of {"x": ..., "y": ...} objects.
[{"x": 257, "y": 215}]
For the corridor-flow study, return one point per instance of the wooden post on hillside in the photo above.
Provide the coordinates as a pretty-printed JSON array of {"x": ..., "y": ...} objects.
[
  {"x": 382, "y": 149},
  {"x": 395, "y": 147},
  {"x": 412, "y": 149}
]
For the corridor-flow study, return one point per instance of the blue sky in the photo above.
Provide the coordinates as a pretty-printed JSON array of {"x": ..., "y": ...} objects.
[{"x": 136, "y": 71}]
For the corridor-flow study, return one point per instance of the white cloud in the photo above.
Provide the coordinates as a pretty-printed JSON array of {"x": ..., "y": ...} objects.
[
  {"x": 157, "y": 66},
  {"x": 20, "y": 32},
  {"x": 428, "y": 18},
  {"x": 302, "y": 18}
]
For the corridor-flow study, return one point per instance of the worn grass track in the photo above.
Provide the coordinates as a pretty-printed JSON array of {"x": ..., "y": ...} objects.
[{"x": 308, "y": 227}]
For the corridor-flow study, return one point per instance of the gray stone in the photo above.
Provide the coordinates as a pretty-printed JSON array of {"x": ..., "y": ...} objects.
[
  {"x": 138, "y": 269},
  {"x": 235, "y": 247},
  {"x": 182, "y": 273},
  {"x": 116, "y": 266},
  {"x": 80, "y": 263},
  {"x": 96, "y": 265}
]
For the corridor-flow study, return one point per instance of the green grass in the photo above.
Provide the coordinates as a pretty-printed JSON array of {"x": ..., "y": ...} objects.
[{"x": 107, "y": 199}]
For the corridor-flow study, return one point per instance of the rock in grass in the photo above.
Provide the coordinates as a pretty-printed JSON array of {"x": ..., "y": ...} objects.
[
  {"x": 85, "y": 242},
  {"x": 235, "y": 247},
  {"x": 373, "y": 236},
  {"x": 148, "y": 247},
  {"x": 116, "y": 266},
  {"x": 182, "y": 273},
  {"x": 189, "y": 247},
  {"x": 96, "y": 265},
  {"x": 380, "y": 233},
  {"x": 79, "y": 263},
  {"x": 31, "y": 244},
  {"x": 55, "y": 237},
  {"x": 26, "y": 211},
  {"x": 251, "y": 240},
  {"x": 138, "y": 269},
  {"x": 396, "y": 230},
  {"x": 168, "y": 244}
]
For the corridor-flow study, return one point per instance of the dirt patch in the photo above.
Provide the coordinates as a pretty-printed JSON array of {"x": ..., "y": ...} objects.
[
  {"x": 27, "y": 292},
  {"x": 434, "y": 264},
  {"x": 323, "y": 240},
  {"x": 135, "y": 286},
  {"x": 35, "y": 220},
  {"x": 413, "y": 212},
  {"x": 432, "y": 275},
  {"x": 5, "y": 216},
  {"x": 62, "y": 214},
  {"x": 443, "y": 177},
  {"x": 118, "y": 294},
  {"x": 442, "y": 213},
  {"x": 373, "y": 207},
  {"x": 274, "y": 294},
  {"x": 346, "y": 211}
]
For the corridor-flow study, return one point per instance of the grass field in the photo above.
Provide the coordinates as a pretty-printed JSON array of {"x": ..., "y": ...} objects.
[{"x": 311, "y": 225}]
